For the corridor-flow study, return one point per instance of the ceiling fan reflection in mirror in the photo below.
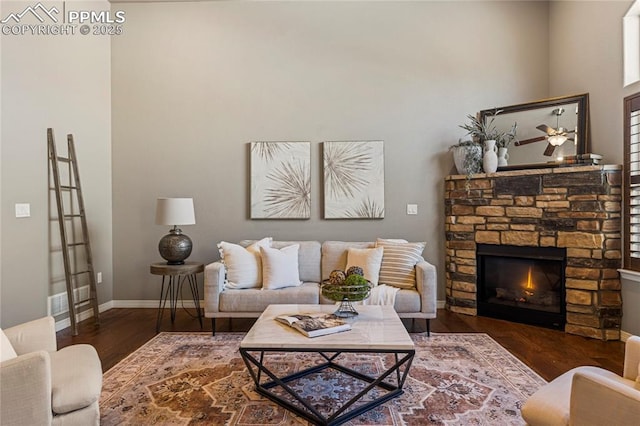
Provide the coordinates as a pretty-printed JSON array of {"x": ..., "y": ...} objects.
[{"x": 554, "y": 136}]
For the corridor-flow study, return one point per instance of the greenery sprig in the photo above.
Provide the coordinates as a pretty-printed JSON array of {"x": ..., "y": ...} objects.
[{"x": 486, "y": 130}]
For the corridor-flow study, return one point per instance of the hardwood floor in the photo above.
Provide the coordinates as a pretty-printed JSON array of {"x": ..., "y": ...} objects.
[{"x": 548, "y": 352}]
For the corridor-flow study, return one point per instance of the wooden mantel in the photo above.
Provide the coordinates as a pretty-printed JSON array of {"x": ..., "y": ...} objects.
[{"x": 577, "y": 208}]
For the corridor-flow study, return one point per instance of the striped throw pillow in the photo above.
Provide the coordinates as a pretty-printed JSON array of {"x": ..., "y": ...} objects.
[{"x": 398, "y": 263}]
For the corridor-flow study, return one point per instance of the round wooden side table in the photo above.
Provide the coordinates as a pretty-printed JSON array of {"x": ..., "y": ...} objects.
[{"x": 175, "y": 276}]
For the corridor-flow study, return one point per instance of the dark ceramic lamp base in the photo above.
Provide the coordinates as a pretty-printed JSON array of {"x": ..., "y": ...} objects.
[{"x": 175, "y": 247}]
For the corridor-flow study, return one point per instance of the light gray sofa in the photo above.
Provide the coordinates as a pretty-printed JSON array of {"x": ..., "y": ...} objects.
[{"x": 315, "y": 263}]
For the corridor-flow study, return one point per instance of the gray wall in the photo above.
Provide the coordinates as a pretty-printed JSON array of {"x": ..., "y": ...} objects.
[
  {"x": 194, "y": 83},
  {"x": 65, "y": 83}
]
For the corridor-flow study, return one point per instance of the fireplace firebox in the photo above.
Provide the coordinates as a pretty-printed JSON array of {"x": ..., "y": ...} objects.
[{"x": 522, "y": 284}]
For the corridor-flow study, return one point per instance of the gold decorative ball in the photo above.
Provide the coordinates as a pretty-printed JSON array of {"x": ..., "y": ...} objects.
[{"x": 336, "y": 277}]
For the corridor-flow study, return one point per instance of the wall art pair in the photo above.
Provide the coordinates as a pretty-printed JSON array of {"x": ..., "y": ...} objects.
[{"x": 353, "y": 180}]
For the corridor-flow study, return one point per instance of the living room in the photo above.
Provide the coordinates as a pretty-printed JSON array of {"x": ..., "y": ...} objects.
[{"x": 168, "y": 108}]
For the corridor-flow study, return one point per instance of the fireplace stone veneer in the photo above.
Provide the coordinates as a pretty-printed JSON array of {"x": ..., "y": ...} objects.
[{"x": 577, "y": 208}]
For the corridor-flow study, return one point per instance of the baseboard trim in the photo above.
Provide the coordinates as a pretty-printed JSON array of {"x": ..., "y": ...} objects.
[
  {"x": 136, "y": 304},
  {"x": 66, "y": 322}
]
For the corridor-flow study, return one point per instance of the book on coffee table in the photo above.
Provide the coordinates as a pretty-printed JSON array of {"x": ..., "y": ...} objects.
[{"x": 314, "y": 325}]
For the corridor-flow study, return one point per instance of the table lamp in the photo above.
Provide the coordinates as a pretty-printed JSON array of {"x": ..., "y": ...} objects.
[{"x": 175, "y": 247}]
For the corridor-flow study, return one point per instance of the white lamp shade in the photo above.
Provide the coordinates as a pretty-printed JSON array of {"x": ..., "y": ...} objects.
[{"x": 175, "y": 211}]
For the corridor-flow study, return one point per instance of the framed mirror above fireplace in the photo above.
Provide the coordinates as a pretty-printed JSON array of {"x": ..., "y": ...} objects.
[
  {"x": 522, "y": 284},
  {"x": 566, "y": 115}
]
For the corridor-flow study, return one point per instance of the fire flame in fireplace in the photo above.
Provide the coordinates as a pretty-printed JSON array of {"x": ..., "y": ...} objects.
[{"x": 530, "y": 286}]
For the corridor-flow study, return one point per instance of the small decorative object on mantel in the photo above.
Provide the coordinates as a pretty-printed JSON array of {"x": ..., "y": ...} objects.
[
  {"x": 467, "y": 156},
  {"x": 484, "y": 131},
  {"x": 503, "y": 157},
  {"x": 345, "y": 288},
  {"x": 490, "y": 157},
  {"x": 587, "y": 159}
]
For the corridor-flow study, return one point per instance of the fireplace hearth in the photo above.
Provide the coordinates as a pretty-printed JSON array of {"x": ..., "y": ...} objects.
[{"x": 522, "y": 284}]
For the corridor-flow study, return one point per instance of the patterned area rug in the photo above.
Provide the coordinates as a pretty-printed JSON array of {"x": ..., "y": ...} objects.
[{"x": 194, "y": 378}]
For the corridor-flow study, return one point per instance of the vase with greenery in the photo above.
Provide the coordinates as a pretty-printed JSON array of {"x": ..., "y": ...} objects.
[
  {"x": 481, "y": 131},
  {"x": 467, "y": 156}
]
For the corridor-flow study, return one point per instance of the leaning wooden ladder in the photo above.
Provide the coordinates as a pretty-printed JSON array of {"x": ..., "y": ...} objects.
[{"x": 82, "y": 266}]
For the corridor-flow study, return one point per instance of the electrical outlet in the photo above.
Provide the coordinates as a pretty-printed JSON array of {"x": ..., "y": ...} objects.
[
  {"x": 412, "y": 209},
  {"x": 98, "y": 277}
]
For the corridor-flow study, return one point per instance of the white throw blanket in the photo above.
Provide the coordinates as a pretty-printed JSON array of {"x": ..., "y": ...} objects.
[{"x": 382, "y": 295}]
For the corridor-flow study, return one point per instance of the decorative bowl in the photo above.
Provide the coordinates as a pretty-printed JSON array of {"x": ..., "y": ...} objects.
[{"x": 345, "y": 294}]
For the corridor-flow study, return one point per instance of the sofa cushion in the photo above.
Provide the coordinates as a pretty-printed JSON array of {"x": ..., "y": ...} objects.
[
  {"x": 334, "y": 255},
  {"x": 308, "y": 257},
  {"x": 76, "y": 378},
  {"x": 398, "y": 263},
  {"x": 257, "y": 300},
  {"x": 368, "y": 259},
  {"x": 280, "y": 267},
  {"x": 243, "y": 265},
  {"x": 6, "y": 348}
]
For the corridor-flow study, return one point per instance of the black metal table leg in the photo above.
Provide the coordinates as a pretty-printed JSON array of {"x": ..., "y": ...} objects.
[
  {"x": 343, "y": 413},
  {"x": 161, "y": 304},
  {"x": 195, "y": 295},
  {"x": 173, "y": 277}
]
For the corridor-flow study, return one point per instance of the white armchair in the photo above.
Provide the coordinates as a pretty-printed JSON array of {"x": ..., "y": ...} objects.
[
  {"x": 40, "y": 385},
  {"x": 590, "y": 395}
]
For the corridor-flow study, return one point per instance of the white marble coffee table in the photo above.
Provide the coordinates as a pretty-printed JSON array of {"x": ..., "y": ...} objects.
[{"x": 377, "y": 329}]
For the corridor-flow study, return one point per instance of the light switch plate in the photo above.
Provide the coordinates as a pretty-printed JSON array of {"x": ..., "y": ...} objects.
[
  {"x": 23, "y": 210},
  {"x": 412, "y": 209}
]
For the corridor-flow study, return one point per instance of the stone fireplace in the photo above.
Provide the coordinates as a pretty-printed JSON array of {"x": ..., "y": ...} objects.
[{"x": 575, "y": 209}]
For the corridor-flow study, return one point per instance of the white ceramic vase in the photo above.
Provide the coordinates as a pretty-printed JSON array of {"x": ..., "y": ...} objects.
[
  {"x": 503, "y": 157},
  {"x": 490, "y": 157}
]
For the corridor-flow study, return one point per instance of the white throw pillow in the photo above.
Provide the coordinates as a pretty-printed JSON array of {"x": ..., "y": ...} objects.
[
  {"x": 243, "y": 265},
  {"x": 280, "y": 267},
  {"x": 6, "y": 349},
  {"x": 368, "y": 259},
  {"x": 398, "y": 263}
]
